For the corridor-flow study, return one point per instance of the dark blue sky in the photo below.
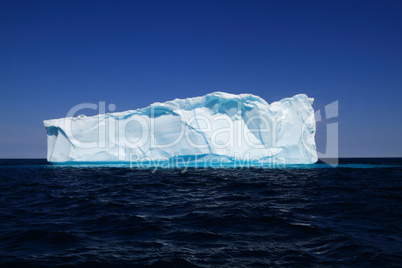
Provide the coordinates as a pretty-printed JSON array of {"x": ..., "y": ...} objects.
[{"x": 57, "y": 54}]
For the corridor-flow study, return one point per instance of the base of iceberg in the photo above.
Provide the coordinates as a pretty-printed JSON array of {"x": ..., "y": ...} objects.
[{"x": 215, "y": 130}]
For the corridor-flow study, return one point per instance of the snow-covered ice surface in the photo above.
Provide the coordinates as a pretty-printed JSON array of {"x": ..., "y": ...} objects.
[{"x": 218, "y": 129}]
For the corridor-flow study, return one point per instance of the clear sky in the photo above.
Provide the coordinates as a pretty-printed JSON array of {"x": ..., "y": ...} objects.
[{"x": 57, "y": 54}]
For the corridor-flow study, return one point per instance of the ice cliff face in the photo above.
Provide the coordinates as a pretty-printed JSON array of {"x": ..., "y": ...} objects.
[{"x": 215, "y": 128}]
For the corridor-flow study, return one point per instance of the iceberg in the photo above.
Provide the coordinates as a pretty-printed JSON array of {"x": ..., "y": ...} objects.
[{"x": 218, "y": 129}]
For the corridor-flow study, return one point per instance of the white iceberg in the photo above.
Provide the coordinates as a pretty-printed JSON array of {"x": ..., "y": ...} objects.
[{"x": 215, "y": 129}]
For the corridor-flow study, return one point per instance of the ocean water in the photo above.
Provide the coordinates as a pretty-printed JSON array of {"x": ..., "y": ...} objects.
[{"x": 300, "y": 216}]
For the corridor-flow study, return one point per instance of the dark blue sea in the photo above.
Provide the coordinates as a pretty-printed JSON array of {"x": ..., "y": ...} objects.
[{"x": 306, "y": 216}]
